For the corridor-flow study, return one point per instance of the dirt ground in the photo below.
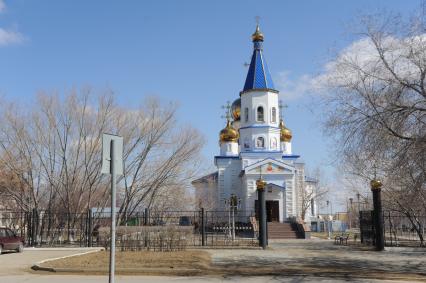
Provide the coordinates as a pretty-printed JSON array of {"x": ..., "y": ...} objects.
[
  {"x": 141, "y": 259},
  {"x": 320, "y": 258}
]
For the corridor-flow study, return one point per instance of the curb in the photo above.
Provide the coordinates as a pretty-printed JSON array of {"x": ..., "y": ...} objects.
[
  {"x": 63, "y": 249},
  {"x": 37, "y": 266},
  {"x": 124, "y": 271}
]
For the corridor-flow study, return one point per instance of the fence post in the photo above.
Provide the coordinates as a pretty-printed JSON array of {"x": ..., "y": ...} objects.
[
  {"x": 146, "y": 217},
  {"x": 376, "y": 186},
  {"x": 360, "y": 227},
  {"x": 203, "y": 228},
  {"x": 263, "y": 240},
  {"x": 90, "y": 228},
  {"x": 34, "y": 224}
]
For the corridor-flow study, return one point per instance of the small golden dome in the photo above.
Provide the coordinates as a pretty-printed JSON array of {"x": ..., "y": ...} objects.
[
  {"x": 285, "y": 133},
  {"x": 236, "y": 109},
  {"x": 228, "y": 134},
  {"x": 260, "y": 183},
  {"x": 257, "y": 35},
  {"x": 376, "y": 184}
]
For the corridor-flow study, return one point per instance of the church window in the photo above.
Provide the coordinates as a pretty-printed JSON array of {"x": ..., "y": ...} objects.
[
  {"x": 229, "y": 147},
  {"x": 246, "y": 114},
  {"x": 274, "y": 115},
  {"x": 312, "y": 207},
  {"x": 246, "y": 143},
  {"x": 260, "y": 142},
  {"x": 274, "y": 143},
  {"x": 260, "y": 114}
]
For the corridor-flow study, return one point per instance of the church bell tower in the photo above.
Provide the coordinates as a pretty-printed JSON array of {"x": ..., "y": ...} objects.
[{"x": 259, "y": 124}]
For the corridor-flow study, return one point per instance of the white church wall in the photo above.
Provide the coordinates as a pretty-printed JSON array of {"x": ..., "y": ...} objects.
[
  {"x": 252, "y": 100},
  {"x": 229, "y": 149},
  {"x": 300, "y": 186},
  {"x": 228, "y": 179},
  {"x": 289, "y": 195}
]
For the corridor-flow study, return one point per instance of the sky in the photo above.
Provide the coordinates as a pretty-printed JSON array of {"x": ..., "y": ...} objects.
[{"x": 192, "y": 52}]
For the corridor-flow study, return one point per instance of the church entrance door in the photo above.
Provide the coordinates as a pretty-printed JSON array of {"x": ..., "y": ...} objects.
[{"x": 272, "y": 210}]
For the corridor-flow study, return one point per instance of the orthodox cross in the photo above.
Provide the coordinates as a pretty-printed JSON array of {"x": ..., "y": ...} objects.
[
  {"x": 281, "y": 106},
  {"x": 227, "y": 108}
]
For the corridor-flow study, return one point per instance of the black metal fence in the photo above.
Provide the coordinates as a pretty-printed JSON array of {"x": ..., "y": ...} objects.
[
  {"x": 154, "y": 230},
  {"x": 399, "y": 229}
]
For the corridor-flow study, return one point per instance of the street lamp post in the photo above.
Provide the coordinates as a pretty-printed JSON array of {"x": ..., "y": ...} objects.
[
  {"x": 228, "y": 208},
  {"x": 234, "y": 203}
]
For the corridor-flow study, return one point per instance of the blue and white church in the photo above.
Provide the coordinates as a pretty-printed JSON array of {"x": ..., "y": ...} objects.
[{"x": 256, "y": 143}]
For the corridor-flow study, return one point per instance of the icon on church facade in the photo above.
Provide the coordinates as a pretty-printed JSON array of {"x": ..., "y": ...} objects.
[{"x": 260, "y": 142}]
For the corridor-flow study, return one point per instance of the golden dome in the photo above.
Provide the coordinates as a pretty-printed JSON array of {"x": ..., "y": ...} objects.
[
  {"x": 228, "y": 134},
  {"x": 285, "y": 133},
  {"x": 236, "y": 109},
  {"x": 257, "y": 35}
]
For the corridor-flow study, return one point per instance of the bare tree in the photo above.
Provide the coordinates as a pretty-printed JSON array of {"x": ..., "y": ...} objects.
[
  {"x": 312, "y": 194},
  {"x": 376, "y": 109},
  {"x": 50, "y": 155}
]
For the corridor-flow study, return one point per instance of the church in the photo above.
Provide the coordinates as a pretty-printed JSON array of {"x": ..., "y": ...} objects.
[{"x": 256, "y": 143}]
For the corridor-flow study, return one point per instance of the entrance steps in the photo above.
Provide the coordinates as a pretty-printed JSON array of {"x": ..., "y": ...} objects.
[{"x": 278, "y": 230}]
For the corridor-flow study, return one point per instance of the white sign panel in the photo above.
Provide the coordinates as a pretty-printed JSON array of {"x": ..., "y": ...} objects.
[{"x": 106, "y": 154}]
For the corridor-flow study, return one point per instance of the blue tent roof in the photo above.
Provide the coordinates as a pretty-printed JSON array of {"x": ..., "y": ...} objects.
[{"x": 258, "y": 76}]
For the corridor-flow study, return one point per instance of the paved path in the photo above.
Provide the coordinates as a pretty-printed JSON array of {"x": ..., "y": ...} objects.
[
  {"x": 30, "y": 278},
  {"x": 322, "y": 256},
  {"x": 19, "y": 263}
]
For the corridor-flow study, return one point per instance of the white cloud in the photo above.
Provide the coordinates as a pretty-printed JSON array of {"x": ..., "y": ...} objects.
[
  {"x": 2, "y": 6},
  {"x": 351, "y": 63},
  {"x": 293, "y": 89},
  {"x": 361, "y": 59},
  {"x": 9, "y": 37}
]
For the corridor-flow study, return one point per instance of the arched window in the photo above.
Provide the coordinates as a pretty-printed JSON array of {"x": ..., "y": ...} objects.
[
  {"x": 260, "y": 142},
  {"x": 274, "y": 143},
  {"x": 274, "y": 115},
  {"x": 246, "y": 114},
  {"x": 260, "y": 114}
]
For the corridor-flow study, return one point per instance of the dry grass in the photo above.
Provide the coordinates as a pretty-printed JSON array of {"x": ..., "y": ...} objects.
[{"x": 142, "y": 259}]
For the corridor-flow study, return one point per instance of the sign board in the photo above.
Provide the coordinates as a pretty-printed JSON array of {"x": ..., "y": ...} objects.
[{"x": 106, "y": 154}]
